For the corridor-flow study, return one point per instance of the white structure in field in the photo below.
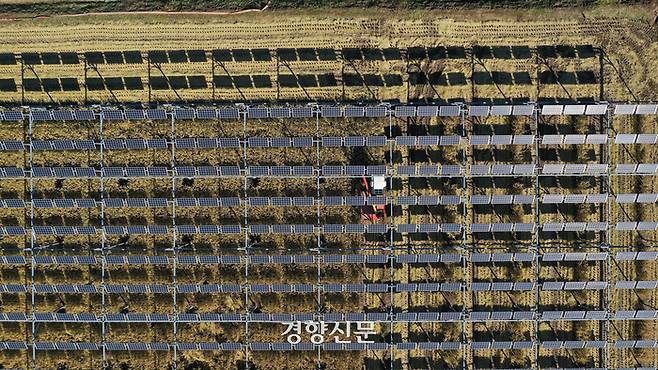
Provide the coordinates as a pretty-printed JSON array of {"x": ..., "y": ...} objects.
[{"x": 378, "y": 185}]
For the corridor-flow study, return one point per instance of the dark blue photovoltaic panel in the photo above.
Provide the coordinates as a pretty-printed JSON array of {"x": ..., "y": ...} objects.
[
  {"x": 229, "y": 113},
  {"x": 63, "y": 115},
  {"x": 41, "y": 115},
  {"x": 184, "y": 113},
  {"x": 206, "y": 113},
  {"x": 13, "y": 115},
  {"x": 113, "y": 115},
  {"x": 85, "y": 115},
  {"x": 155, "y": 114}
]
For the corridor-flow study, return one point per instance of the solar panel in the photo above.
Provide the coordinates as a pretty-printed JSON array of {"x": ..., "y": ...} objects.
[
  {"x": 574, "y": 110},
  {"x": 502, "y": 227},
  {"x": 522, "y": 110},
  {"x": 375, "y": 141},
  {"x": 112, "y": 115},
  {"x": 428, "y": 170},
  {"x": 330, "y": 111},
  {"x": 596, "y": 226},
  {"x": 552, "y": 139},
  {"x": 502, "y": 199},
  {"x": 183, "y": 113},
  {"x": 42, "y": 172},
  {"x": 625, "y": 138},
  {"x": 155, "y": 114},
  {"x": 596, "y": 139},
  {"x": 233, "y": 113},
  {"x": 501, "y": 110},
  {"x": 11, "y": 172},
  {"x": 646, "y": 138},
  {"x": 478, "y": 111},
  {"x": 405, "y": 111},
  {"x": 646, "y": 109},
  {"x": 258, "y": 142},
  {"x": 641, "y": 198},
  {"x": 553, "y": 110},
  {"x": 523, "y": 169},
  {"x": 553, "y": 168},
  {"x": 647, "y": 168},
  {"x": 480, "y": 228},
  {"x": 523, "y": 139},
  {"x": 354, "y": 141},
  {"x": 444, "y": 200},
  {"x": 330, "y": 141},
  {"x": 402, "y": 170},
  {"x": 523, "y": 199},
  {"x": 281, "y": 170},
  {"x": 135, "y": 171},
  {"x": 626, "y": 168},
  {"x": 135, "y": 144},
  {"x": 373, "y": 112},
  {"x": 63, "y": 115},
  {"x": 574, "y": 198},
  {"x": 480, "y": 169},
  {"x": 276, "y": 112},
  {"x": 41, "y": 115},
  {"x": 574, "y": 226},
  {"x": 11, "y": 145},
  {"x": 352, "y": 111},
  {"x": 12, "y": 203},
  {"x": 85, "y": 115},
  {"x": 448, "y": 111},
  {"x": 62, "y": 144},
  {"x": 502, "y": 169},
  {"x": 626, "y": 226},
  {"x": 501, "y": 140},
  {"x": 647, "y": 226},
  {"x": 596, "y": 168},
  {"x": 428, "y": 111},
  {"x": 624, "y": 109},
  {"x": 13, "y": 115},
  {"x": 480, "y": 139},
  {"x": 574, "y": 139},
  {"x": 281, "y": 142},
  {"x": 257, "y": 112},
  {"x": 206, "y": 113},
  {"x": 85, "y": 144},
  {"x": 302, "y": 112},
  {"x": 480, "y": 199}
]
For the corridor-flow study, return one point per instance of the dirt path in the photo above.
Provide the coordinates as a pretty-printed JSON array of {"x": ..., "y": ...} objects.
[{"x": 245, "y": 11}]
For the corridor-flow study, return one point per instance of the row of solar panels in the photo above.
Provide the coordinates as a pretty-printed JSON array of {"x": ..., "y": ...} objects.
[
  {"x": 328, "y": 201},
  {"x": 330, "y": 288},
  {"x": 284, "y": 346},
  {"x": 325, "y": 141},
  {"x": 336, "y": 111},
  {"x": 236, "y": 288},
  {"x": 329, "y": 228},
  {"x": 571, "y": 169},
  {"x": 475, "y": 316},
  {"x": 334, "y": 258}
]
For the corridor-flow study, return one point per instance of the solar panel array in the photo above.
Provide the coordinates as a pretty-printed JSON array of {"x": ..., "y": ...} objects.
[
  {"x": 284, "y": 346},
  {"x": 380, "y": 259},
  {"x": 432, "y": 229},
  {"x": 333, "y": 111}
]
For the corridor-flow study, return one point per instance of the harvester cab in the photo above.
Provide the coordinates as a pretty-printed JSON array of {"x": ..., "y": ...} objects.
[{"x": 373, "y": 186}]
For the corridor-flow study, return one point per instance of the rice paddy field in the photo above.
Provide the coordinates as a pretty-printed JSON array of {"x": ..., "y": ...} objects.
[{"x": 200, "y": 270}]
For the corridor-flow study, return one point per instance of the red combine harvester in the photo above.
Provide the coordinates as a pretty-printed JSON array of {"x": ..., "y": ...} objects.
[{"x": 373, "y": 187}]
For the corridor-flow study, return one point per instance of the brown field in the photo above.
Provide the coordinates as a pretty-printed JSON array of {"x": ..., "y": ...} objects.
[
  {"x": 619, "y": 67},
  {"x": 625, "y": 70}
]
